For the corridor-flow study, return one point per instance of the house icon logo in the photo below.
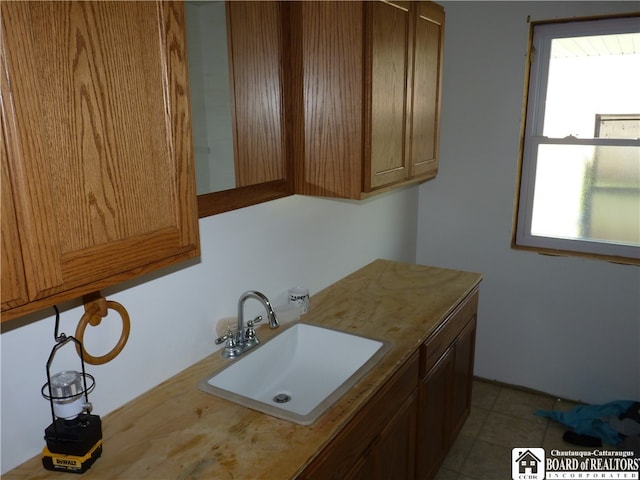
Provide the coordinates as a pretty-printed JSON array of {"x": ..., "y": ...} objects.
[{"x": 527, "y": 464}]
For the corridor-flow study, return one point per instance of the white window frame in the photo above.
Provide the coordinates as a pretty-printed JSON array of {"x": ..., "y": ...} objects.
[{"x": 542, "y": 33}]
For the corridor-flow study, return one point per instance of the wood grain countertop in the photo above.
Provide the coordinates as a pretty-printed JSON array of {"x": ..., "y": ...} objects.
[{"x": 176, "y": 431}]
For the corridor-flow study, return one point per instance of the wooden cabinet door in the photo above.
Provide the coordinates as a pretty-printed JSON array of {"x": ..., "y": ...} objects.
[
  {"x": 98, "y": 111},
  {"x": 389, "y": 42},
  {"x": 433, "y": 417},
  {"x": 427, "y": 81},
  {"x": 327, "y": 91},
  {"x": 14, "y": 287},
  {"x": 394, "y": 451},
  {"x": 462, "y": 378},
  {"x": 256, "y": 62},
  {"x": 379, "y": 439},
  {"x": 363, "y": 469}
]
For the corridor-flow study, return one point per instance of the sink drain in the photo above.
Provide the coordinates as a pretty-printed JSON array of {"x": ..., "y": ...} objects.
[{"x": 281, "y": 398}]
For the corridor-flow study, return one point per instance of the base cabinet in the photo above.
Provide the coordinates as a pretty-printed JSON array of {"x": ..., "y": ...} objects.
[
  {"x": 462, "y": 377},
  {"x": 408, "y": 428},
  {"x": 394, "y": 452},
  {"x": 433, "y": 424},
  {"x": 444, "y": 393},
  {"x": 379, "y": 443}
]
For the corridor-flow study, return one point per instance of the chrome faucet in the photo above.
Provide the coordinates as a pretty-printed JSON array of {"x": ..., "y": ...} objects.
[{"x": 244, "y": 339}]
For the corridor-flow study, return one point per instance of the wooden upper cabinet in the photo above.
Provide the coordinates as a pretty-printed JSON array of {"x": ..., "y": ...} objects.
[
  {"x": 427, "y": 82},
  {"x": 256, "y": 63},
  {"x": 368, "y": 95},
  {"x": 99, "y": 160},
  {"x": 389, "y": 33},
  {"x": 327, "y": 67}
]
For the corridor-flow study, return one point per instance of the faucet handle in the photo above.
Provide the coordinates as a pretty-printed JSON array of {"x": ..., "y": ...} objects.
[
  {"x": 230, "y": 335},
  {"x": 231, "y": 348},
  {"x": 250, "y": 334},
  {"x": 251, "y": 323}
]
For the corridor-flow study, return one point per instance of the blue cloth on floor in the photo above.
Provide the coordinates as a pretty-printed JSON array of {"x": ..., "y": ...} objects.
[{"x": 591, "y": 419}]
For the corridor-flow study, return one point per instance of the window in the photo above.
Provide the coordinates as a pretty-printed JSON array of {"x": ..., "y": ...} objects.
[{"x": 579, "y": 189}]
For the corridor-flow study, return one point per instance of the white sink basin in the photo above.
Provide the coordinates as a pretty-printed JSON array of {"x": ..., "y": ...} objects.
[{"x": 297, "y": 374}]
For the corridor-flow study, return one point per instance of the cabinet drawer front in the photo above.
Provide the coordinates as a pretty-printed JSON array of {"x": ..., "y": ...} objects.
[{"x": 439, "y": 341}]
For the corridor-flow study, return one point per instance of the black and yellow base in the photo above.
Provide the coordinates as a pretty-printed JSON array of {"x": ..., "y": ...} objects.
[
  {"x": 71, "y": 463},
  {"x": 73, "y": 445}
]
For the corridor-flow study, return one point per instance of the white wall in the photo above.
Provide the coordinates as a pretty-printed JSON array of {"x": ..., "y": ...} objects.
[
  {"x": 269, "y": 247},
  {"x": 566, "y": 326}
]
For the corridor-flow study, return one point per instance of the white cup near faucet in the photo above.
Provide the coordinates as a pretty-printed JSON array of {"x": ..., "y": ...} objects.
[{"x": 300, "y": 296}]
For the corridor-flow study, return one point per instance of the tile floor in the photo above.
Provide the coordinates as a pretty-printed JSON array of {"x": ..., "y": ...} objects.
[{"x": 501, "y": 419}]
